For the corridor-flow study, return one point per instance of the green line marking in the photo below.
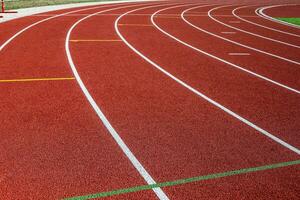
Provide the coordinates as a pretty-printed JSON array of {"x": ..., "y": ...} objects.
[
  {"x": 184, "y": 181},
  {"x": 295, "y": 21}
]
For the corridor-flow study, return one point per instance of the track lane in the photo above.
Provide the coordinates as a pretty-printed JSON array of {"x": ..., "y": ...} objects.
[
  {"x": 54, "y": 145},
  {"x": 50, "y": 155},
  {"x": 181, "y": 35},
  {"x": 142, "y": 104},
  {"x": 41, "y": 168},
  {"x": 29, "y": 66},
  {"x": 257, "y": 112},
  {"x": 224, "y": 33},
  {"x": 279, "y": 71},
  {"x": 278, "y": 35},
  {"x": 248, "y": 38},
  {"x": 135, "y": 162},
  {"x": 253, "y": 31},
  {"x": 219, "y": 34},
  {"x": 10, "y": 28},
  {"x": 261, "y": 22},
  {"x": 53, "y": 16},
  {"x": 261, "y": 12}
]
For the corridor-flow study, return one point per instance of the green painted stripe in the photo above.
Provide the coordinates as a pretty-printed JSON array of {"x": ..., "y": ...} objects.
[
  {"x": 291, "y": 20},
  {"x": 184, "y": 181}
]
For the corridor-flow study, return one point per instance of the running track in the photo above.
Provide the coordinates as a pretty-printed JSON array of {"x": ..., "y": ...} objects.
[{"x": 98, "y": 99}]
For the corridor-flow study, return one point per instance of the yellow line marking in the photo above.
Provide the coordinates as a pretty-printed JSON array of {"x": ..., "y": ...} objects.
[
  {"x": 135, "y": 25},
  {"x": 36, "y": 79},
  {"x": 112, "y": 40}
]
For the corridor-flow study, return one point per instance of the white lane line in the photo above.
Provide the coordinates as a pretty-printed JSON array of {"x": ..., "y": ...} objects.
[
  {"x": 229, "y": 63},
  {"x": 228, "y": 32},
  {"x": 262, "y": 131},
  {"x": 260, "y": 25},
  {"x": 250, "y": 33},
  {"x": 44, "y": 20},
  {"x": 231, "y": 41},
  {"x": 239, "y": 54},
  {"x": 102, "y": 117},
  {"x": 260, "y": 12},
  {"x": 139, "y": 167}
]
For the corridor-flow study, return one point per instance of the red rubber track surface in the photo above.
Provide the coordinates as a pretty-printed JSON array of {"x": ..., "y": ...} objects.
[
  {"x": 218, "y": 80},
  {"x": 9, "y": 28},
  {"x": 280, "y": 70},
  {"x": 53, "y": 144},
  {"x": 285, "y": 13},
  {"x": 257, "y": 42},
  {"x": 252, "y": 28},
  {"x": 279, "y": 184},
  {"x": 150, "y": 102}
]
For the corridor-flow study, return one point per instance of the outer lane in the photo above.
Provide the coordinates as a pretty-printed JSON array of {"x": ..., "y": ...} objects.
[
  {"x": 255, "y": 41},
  {"x": 62, "y": 182},
  {"x": 173, "y": 132},
  {"x": 266, "y": 105},
  {"x": 9, "y": 28},
  {"x": 275, "y": 68},
  {"x": 53, "y": 145},
  {"x": 252, "y": 10}
]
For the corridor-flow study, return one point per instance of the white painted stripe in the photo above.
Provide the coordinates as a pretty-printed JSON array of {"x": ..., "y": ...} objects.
[
  {"x": 228, "y": 32},
  {"x": 231, "y": 41},
  {"x": 250, "y": 33},
  {"x": 262, "y": 131},
  {"x": 260, "y": 25},
  {"x": 262, "y": 14},
  {"x": 43, "y": 9},
  {"x": 229, "y": 63},
  {"x": 44, "y": 20},
  {"x": 139, "y": 167},
  {"x": 239, "y": 54}
]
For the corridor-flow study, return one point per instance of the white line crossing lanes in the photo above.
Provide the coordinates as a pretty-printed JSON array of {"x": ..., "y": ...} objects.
[{"x": 233, "y": 114}]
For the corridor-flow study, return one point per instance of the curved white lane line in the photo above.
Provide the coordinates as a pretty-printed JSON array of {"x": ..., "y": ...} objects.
[
  {"x": 231, "y": 41},
  {"x": 260, "y": 25},
  {"x": 224, "y": 61},
  {"x": 244, "y": 31},
  {"x": 260, "y": 12},
  {"x": 44, "y": 20},
  {"x": 125, "y": 149},
  {"x": 233, "y": 114},
  {"x": 139, "y": 167}
]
